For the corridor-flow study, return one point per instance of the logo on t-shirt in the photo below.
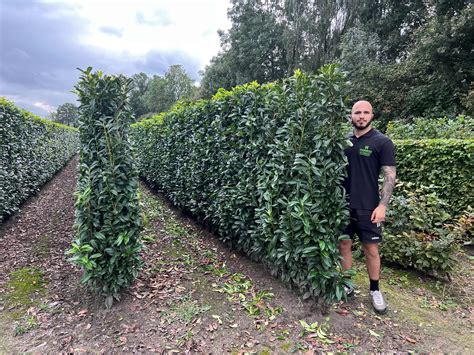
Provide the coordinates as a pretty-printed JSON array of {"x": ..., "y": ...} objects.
[{"x": 366, "y": 152}]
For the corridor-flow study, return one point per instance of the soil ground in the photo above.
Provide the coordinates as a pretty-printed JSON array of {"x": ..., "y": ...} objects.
[{"x": 195, "y": 295}]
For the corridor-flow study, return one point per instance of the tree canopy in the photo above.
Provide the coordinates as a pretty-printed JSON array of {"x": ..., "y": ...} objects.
[
  {"x": 67, "y": 114},
  {"x": 158, "y": 93},
  {"x": 411, "y": 58}
]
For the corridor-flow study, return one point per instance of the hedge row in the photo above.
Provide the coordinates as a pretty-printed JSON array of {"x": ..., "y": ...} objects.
[
  {"x": 461, "y": 127},
  {"x": 447, "y": 164},
  {"x": 32, "y": 150},
  {"x": 263, "y": 165}
]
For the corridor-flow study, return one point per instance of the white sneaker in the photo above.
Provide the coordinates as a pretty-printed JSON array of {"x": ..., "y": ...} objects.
[
  {"x": 349, "y": 291},
  {"x": 378, "y": 302}
]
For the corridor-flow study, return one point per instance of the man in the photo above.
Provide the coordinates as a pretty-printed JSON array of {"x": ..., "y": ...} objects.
[{"x": 371, "y": 152}]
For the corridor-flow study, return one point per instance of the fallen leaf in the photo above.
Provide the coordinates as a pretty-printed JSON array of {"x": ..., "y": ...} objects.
[
  {"x": 215, "y": 316},
  {"x": 374, "y": 333},
  {"x": 213, "y": 326},
  {"x": 82, "y": 312},
  {"x": 88, "y": 326}
]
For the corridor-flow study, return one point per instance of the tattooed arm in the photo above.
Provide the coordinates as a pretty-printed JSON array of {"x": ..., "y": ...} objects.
[
  {"x": 389, "y": 173},
  {"x": 378, "y": 215}
]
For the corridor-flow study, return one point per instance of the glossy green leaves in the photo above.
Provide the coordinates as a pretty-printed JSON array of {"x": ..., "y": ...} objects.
[
  {"x": 108, "y": 221},
  {"x": 32, "y": 150},
  {"x": 263, "y": 166}
]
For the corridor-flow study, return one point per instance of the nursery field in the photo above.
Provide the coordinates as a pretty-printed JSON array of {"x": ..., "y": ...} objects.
[
  {"x": 195, "y": 295},
  {"x": 159, "y": 214}
]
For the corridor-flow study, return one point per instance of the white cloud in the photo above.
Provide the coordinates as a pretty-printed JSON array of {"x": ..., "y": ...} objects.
[
  {"x": 44, "y": 106},
  {"x": 162, "y": 26},
  {"x": 42, "y": 42}
]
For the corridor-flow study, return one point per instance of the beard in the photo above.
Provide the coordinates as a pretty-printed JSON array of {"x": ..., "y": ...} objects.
[{"x": 361, "y": 127}]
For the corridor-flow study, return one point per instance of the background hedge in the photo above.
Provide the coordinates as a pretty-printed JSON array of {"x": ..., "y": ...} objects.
[
  {"x": 447, "y": 164},
  {"x": 419, "y": 233},
  {"x": 461, "y": 127},
  {"x": 32, "y": 150},
  {"x": 263, "y": 165}
]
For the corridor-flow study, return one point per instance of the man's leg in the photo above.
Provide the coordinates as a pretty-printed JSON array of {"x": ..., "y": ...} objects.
[
  {"x": 372, "y": 260},
  {"x": 345, "y": 248}
]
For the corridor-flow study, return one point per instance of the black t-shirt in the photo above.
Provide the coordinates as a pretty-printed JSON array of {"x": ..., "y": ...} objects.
[{"x": 366, "y": 157}]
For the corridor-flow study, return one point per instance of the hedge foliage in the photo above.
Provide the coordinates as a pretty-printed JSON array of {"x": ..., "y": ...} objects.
[
  {"x": 447, "y": 164},
  {"x": 263, "y": 165},
  {"x": 462, "y": 127},
  {"x": 108, "y": 221},
  {"x": 418, "y": 232},
  {"x": 32, "y": 150}
]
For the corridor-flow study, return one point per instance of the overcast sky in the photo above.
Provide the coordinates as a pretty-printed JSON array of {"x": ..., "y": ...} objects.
[{"x": 42, "y": 42}]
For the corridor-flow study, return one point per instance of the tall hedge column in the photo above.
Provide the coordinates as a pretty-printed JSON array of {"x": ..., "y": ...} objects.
[{"x": 108, "y": 221}]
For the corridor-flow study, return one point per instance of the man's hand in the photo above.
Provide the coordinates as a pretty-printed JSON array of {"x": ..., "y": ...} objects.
[{"x": 379, "y": 214}]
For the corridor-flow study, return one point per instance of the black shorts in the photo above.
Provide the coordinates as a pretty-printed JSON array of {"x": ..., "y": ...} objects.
[{"x": 360, "y": 224}]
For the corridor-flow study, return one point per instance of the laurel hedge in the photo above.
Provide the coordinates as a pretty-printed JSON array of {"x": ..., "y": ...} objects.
[
  {"x": 32, "y": 151},
  {"x": 461, "y": 127},
  {"x": 263, "y": 166},
  {"x": 108, "y": 221},
  {"x": 447, "y": 164}
]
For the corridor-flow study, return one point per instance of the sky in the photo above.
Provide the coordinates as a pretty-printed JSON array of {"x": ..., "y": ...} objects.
[{"x": 42, "y": 42}]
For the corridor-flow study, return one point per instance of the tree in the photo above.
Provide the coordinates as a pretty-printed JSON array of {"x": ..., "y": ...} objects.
[
  {"x": 431, "y": 76},
  {"x": 164, "y": 92},
  {"x": 217, "y": 74},
  {"x": 179, "y": 85},
  {"x": 313, "y": 30},
  {"x": 411, "y": 58},
  {"x": 253, "y": 49},
  {"x": 442, "y": 56},
  {"x": 139, "y": 87},
  {"x": 359, "y": 49},
  {"x": 394, "y": 22},
  {"x": 67, "y": 114},
  {"x": 154, "y": 95},
  {"x": 269, "y": 39}
]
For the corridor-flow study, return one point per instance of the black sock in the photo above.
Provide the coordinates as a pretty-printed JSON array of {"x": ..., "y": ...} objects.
[{"x": 374, "y": 285}]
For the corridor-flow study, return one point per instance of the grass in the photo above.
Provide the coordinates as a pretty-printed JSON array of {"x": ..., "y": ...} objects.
[
  {"x": 185, "y": 310},
  {"x": 24, "y": 289},
  {"x": 188, "y": 310},
  {"x": 419, "y": 302}
]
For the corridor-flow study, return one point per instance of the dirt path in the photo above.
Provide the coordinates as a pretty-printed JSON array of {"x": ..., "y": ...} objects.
[{"x": 194, "y": 295}]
